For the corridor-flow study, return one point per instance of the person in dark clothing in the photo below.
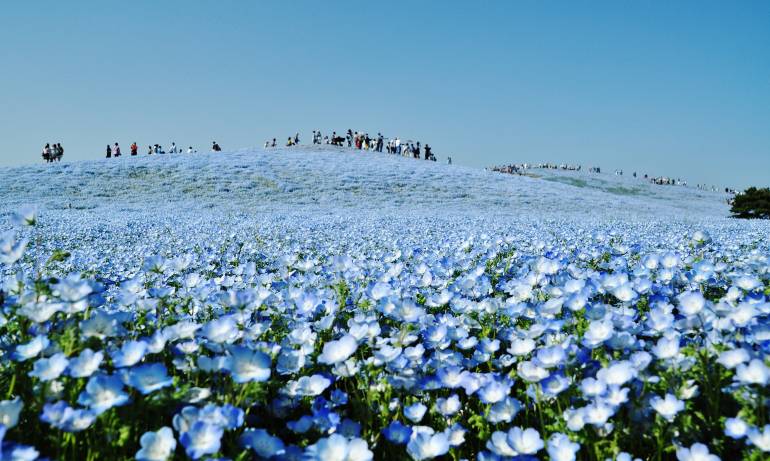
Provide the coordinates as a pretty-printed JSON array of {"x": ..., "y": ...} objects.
[
  {"x": 428, "y": 153},
  {"x": 134, "y": 149},
  {"x": 109, "y": 151},
  {"x": 149, "y": 150},
  {"x": 215, "y": 147},
  {"x": 47, "y": 153},
  {"x": 59, "y": 152},
  {"x": 417, "y": 150}
]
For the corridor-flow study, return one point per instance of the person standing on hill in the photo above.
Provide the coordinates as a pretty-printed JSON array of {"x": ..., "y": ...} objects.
[
  {"x": 109, "y": 151},
  {"x": 116, "y": 150},
  {"x": 47, "y": 153},
  {"x": 134, "y": 149},
  {"x": 149, "y": 150},
  {"x": 215, "y": 147},
  {"x": 59, "y": 152}
]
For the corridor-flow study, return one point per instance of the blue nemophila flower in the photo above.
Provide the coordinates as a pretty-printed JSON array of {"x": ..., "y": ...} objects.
[
  {"x": 521, "y": 347},
  {"x": 504, "y": 411},
  {"x": 415, "y": 412},
  {"x": 397, "y": 433},
  {"x": 617, "y": 373},
  {"x": 666, "y": 348},
  {"x": 201, "y": 439},
  {"x": 494, "y": 391},
  {"x": 302, "y": 425},
  {"x": 349, "y": 428},
  {"x": 222, "y": 330},
  {"x": 550, "y": 357},
  {"x": 561, "y": 448},
  {"x": 11, "y": 250},
  {"x": 592, "y": 387},
  {"x": 531, "y": 372},
  {"x": 39, "y": 311},
  {"x": 760, "y": 437},
  {"x": 747, "y": 283},
  {"x": 50, "y": 368},
  {"x": 290, "y": 361},
  {"x": 247, "y": 365},
  {"x": 86, "y": 364},
  {"x": 691, "y": 303},
  {"x": 16, "y": 452},
  {"x": 736, "y": 428},
  {"x": 226, "y": 416},
  {"x": 102, "y": 393},
  {"x": 525, "y": 441},
  {"x": 667, "y": 407},
  {"x": 623, "y": 456},
  {"x": 27, "y": 215},
  {"x": 425, "y": 443},
  {"x": 156, "y": 446},
  {"x": 9, "y": 412},
  {"x": 73, "y": 289},
  {"x": 338, "y": 448},
  {"x": 697, "y": 452},
  {"x": 148, "y": 378},
  {"x": 498, "y": 444},
  {"x": 339, "y": 350},
  {"x": 597, "y": 333},
  {"x": 263, "y": 444},
  {"x": 554, "y": 384},
  {"x": 62, "y": 416},
  {"x": 307, "y": 386},
  {"x": 129, "y": 354},
  {"x": 756, "y": 372},
  {"x": 31, "y": 349},
  {"x": 596, "y": 414},
  {"x": 448, "y": 406}
]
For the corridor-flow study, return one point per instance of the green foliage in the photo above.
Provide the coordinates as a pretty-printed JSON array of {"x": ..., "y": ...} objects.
[{"x": 752, "y": 203}]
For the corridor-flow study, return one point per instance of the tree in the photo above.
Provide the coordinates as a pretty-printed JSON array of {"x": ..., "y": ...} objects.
[{"x": 752, "y": 203}]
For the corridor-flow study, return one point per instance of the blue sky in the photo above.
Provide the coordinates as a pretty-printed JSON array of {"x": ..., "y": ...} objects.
[{"x": 667, "y": 88}]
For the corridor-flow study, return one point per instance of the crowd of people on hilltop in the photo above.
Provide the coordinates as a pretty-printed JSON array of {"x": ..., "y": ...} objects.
[
  {"x": 352, "y": 139},
  {"x": 521, "y": 168},
  {"x": 363, "y": 141},
  {"x": 53, "y": 152},
  {"x": 154, "y": 149}
]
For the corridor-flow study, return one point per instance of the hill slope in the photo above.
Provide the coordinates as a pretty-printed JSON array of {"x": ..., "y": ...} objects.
[{"x": 328, "y": 179}]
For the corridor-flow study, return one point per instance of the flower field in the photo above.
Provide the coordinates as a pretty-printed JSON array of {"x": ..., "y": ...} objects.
[{"x": 362, "y": 335}]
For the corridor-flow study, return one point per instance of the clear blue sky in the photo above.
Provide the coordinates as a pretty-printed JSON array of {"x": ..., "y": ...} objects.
[{"x": 676, "y": 88}]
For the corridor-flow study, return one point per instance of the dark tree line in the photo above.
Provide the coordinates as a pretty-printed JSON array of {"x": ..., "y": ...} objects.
[{"x": 752, "y": 203}]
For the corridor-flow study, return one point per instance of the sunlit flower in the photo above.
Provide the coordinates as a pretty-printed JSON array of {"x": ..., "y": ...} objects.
[
  {"x": 667, "y": 407},
  {"x": 156, "y": 446}
]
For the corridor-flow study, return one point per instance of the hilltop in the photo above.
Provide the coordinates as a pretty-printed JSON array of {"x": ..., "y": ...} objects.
[{"x": 329, "y": 179}]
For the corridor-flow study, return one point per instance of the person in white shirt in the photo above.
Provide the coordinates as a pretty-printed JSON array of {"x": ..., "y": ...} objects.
[{"x": 172, "y": 149}]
